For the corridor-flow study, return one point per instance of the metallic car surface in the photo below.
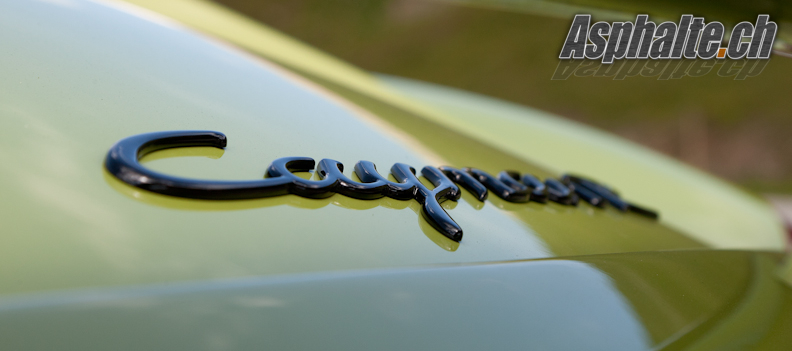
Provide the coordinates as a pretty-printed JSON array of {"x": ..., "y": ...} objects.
[
  {"x": 689, "y": 200},
  {"x": 88, "y": 262}
]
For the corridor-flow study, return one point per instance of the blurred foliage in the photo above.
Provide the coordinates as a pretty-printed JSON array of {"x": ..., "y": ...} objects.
[{"x": 738, "y": 129}]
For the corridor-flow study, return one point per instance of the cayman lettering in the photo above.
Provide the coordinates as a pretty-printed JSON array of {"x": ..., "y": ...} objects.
[
  {"x": 691, "y": 38},
  {"x": 122, "y": 161}
]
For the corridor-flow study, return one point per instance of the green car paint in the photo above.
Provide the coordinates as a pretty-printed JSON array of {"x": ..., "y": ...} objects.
[
  {"x": 702, "y": 300},
  {"x": 88, "y": 262},
  {"x": 689, "y": 200}
]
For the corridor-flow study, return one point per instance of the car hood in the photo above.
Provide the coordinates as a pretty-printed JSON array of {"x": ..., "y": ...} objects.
[
  {"x": 79, "y": 76},
  {"x": 90, "y": 262}
]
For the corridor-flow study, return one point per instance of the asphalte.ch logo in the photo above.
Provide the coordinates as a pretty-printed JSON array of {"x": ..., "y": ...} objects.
[{"x": 690, "y": 39}]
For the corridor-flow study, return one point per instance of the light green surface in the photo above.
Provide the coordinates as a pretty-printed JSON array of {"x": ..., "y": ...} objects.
[
  {"x": 69, "y": 224},
  {"x": 697, "y": 204},
  {"x": 673, "y": 301},
  {"x": 703, "y": 206},
  {"x": 87, "y": 262}
]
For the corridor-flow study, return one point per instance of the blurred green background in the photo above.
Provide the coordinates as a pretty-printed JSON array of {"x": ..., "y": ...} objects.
[{"x": 740, "y": 130}]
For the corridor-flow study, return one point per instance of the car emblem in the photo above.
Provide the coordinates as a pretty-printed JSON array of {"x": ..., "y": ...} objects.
[{"x": 122, "y": 161}]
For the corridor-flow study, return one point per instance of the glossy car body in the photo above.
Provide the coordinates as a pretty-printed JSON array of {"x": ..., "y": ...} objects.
[{"x": 89, "y": 262}]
